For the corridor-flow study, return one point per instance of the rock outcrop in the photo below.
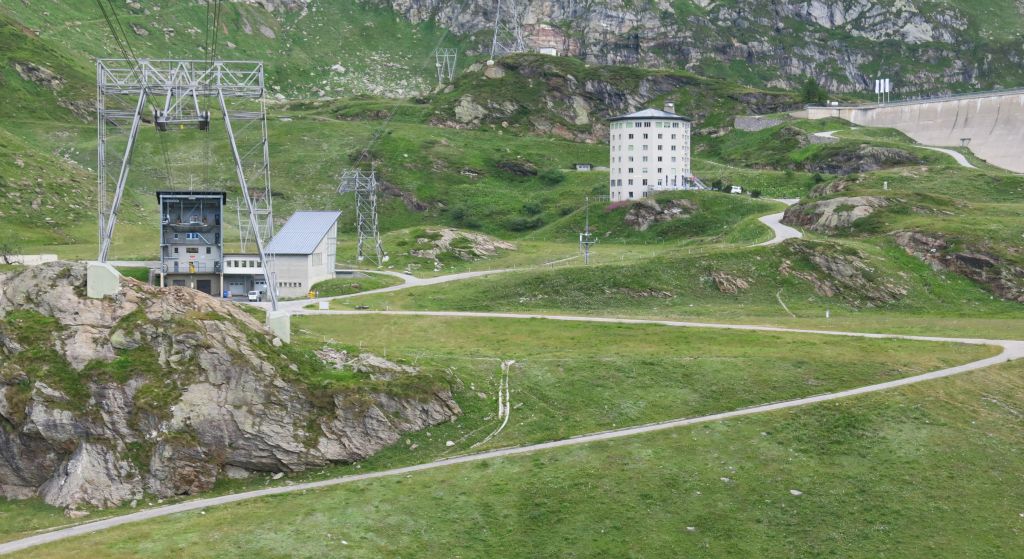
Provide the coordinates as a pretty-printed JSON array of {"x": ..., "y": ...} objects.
[
  {"x": 1004, "y": 278},
  {"x": 438, "y": 243},
  {"x": 864, "y": 159},
  {"x": 647, "y": 212},
  {"x": 161, "y": 391},
  {"x": 834, "y": 214},
  {"x": 842, "y": 272}
]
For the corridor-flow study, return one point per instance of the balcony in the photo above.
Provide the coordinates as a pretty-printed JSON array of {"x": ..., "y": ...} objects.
[{"x": 179, "y": 267}]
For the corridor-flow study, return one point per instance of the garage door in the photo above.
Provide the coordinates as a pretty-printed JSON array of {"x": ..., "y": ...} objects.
[{"x": 237, "y": 288}]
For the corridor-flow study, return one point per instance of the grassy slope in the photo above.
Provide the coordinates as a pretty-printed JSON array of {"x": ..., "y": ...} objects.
[
  {"x": 887, "y": 474},
  {"x": 680, "y": 285},
  {"x": 566, "y": 384}
]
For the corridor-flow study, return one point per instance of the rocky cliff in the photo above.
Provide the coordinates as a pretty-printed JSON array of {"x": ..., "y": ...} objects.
[
  {"x": 926, "y": 45},
  {"x": 162, "y": 391}
]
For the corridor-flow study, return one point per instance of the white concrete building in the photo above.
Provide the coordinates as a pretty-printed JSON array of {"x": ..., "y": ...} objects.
[
  {"x": 649, "y": 151},
  {"x": 304, "y": 252}
]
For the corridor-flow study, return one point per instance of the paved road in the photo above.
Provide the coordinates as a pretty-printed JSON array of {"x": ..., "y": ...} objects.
[
  {"x": 410, "y": 281},
  {"x": 1011, "y": 350},
  {"x": 774, "y": 221},
  {"x": 959, "y": 157}
]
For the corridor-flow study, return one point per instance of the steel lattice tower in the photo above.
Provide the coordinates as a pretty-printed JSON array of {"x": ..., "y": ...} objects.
[
  {"x": 508, "y": 28},
  {"x": 445, "y": 63},
  {"x": 364, "y": 185},
  {"x": 175, "y": 88}
]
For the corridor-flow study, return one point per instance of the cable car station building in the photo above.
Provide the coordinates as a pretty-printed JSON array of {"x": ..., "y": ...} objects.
[{"x": 192, "y": 240}]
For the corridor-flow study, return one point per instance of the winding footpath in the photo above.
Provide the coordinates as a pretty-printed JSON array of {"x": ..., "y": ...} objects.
[
  {"x": 774, "y": 222},
  {"x": 1011, "y": 350}
]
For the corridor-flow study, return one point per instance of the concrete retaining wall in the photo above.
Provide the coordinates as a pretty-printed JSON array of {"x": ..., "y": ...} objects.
[
  {"x": 994, "y": 122},
  {"x": 30, "y": 259}
]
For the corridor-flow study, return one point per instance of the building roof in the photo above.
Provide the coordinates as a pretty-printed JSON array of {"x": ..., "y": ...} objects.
[
  {"x": 650, "y": 113},
  {"x": 302, "y": 232},
  {"x": 223, "y": 195}
]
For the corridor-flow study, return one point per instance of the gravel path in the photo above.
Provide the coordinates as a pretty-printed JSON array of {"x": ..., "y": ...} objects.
[{"x": 1010, "y": 350}]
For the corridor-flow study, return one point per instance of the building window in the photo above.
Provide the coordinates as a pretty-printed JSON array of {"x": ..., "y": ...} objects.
[
  {"x": 630, "y": 169},
  {"x": 644, "y": 147},
  {"x": 647, "y": 125},
  {"x": 192, "y": 250},
  {"x": 673, "y": 136},
  {"x": 630, "y": 193},
  {"x": 659, "y": 170},
  {"x": 660, "y": 136},
  {"x": 645, "y": 159},
  {"x": 673, "y": 148},
  {"x": 645, "y": 182},
  {"x": 646, "y": 136},
  {"x": 659, "y": 158},
  {"x": 660, "y": 147},
  {"x": 207, "y": 250},
  {"x": 175, "y": 250},
  {"x": 175, "y": 235},
  {"x": 629, "y": 182},
  {"x": 630, "y": 136}
]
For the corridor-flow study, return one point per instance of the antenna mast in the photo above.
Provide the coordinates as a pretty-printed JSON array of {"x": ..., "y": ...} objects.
[{"x": 586, "y": 237}]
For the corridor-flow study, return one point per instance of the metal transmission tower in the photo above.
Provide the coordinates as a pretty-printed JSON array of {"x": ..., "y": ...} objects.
[
  {"x": 445, "y": 62},
  {"x": 364, "y": 185},
  {"x": 586, "y": 237},
  {"x": 175, "y": 88},
  {"x": 508, "y": 28}
]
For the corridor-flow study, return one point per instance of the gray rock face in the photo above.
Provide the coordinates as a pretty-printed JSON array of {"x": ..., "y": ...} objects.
[
  {"x": 835, "y": 214},
  {"x": 645, "y": 213},
  {"x": 862, "y": 160},
  {"x": 1003, "y": 278},
  {"x": 750, "y": 31},
  {"x": 197, "y": 394},
  {"x": 842, "y": 272}
]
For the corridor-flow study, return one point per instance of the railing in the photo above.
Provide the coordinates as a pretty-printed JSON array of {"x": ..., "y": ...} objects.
[
  {"x": 937, "y": 99},
  {"x": 191, "y": 267}
]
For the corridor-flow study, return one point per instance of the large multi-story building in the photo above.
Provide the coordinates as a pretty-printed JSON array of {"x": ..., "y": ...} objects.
[
  {"x": 192, "y": 239},
  {"x": 649, "y": 151}
]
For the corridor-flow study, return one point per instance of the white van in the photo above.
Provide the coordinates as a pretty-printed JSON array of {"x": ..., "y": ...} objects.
[{"x": 255, "y": 296}]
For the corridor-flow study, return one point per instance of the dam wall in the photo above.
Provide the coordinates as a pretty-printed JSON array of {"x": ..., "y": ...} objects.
[{"x": 993, "y": 122}]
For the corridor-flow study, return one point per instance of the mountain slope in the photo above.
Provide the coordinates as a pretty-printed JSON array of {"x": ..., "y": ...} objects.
[{"x": 923, "y": 44}]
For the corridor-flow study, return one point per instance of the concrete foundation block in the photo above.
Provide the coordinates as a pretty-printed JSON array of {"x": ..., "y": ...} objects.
[
  {"x": 101, "y": 280},
  {"x": 280, "y": 323}
]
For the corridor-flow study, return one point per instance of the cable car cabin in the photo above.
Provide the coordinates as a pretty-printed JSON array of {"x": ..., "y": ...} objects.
[
  {"x": 164, "y": 120},
  {"x": 192, "y": 240}
]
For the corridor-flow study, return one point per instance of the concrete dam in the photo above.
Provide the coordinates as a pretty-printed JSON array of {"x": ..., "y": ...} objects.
[{"x": 991, "y": 124}]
